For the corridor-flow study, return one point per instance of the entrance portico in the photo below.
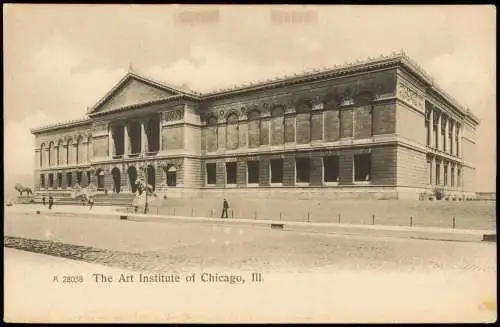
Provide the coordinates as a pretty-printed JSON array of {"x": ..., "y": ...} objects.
[{"x": 129, "y": 139}]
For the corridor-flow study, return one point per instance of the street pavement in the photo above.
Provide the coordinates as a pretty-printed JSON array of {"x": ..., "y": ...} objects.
[{"x": 307, "y": 277}]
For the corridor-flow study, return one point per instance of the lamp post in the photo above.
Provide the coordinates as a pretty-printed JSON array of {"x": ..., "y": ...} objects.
[{"x": 146, "y": 189}]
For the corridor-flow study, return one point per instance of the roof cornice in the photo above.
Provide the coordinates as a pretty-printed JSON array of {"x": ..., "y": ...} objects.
[
  {"x": 65, "y": 124},
  {"x": 372, "y": 63}
]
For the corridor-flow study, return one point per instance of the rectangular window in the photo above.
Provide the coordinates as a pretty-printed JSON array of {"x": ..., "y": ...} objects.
[
  {"x": 428, "y": 133},
  {"x": 79, "y": 177},
  {"x": 88, "y": 177},
  {"x": 51, "y": 180},
  {"x": 59, "y": 179},
  {"x": 69, "y": 178},
  {"x": 444, "y": 141},
  {"x": 459, "y": 177},
  {"x": 438, "y": 168},
  {"x": 429, "y": 163},
  {"x": 253, "y": 172},
  {"x": 42, "y": 180},
  {"x": 445, "y": 175},
  {"x": 362, "y": 167},
  {"x": 276, "y": 170},
  {"x": 302, "y": 169},
  {"x": 331, "y": 169},
  {"x": 452, "y": 177},
  {"x": 436, "y": 138},
  {"x": 450, "y": 138},
  {"x": 230, "y": 172},
  {"x": 211, "y": 174}
]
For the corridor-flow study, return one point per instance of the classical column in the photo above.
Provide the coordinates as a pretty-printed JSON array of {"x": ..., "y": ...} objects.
[
  {"x": 438, "y": 142},
  {"x": 110, "y": 142},
  {"x": 460, "y": 153},
  {"x": 450, "y": 139},
  {"x": 144, "y": 138},
  {"x": 126, "y": 140},
  {"x": 159, "y": 134},
  {"x": 445, "y": 135},
  {"x": 431, "y": 128}
]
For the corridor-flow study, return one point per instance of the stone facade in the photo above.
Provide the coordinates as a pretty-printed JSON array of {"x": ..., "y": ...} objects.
[{"x": 368, "y": 129}]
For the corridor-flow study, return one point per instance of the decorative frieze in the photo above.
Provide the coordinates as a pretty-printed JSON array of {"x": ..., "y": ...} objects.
[
  {"x": 173, "y": 115},
  {"x": 410, "y": 95}
]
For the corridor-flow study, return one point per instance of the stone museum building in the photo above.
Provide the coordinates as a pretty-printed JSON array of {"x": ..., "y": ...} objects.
[{"x": 379, "y": 129}]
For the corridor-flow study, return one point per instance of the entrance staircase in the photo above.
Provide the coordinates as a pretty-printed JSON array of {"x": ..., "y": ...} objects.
[{"x": 100, "y": 199}]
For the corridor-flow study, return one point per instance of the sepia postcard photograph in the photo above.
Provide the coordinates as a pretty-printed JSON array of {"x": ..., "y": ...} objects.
[{"x": 249, "y": 163}]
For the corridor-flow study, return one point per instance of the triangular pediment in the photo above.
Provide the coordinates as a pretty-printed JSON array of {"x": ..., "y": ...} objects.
[{"x": 133, "y": 90}]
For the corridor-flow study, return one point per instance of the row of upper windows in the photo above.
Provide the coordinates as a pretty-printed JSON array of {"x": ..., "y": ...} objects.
[{"x": 302, "y": 106}]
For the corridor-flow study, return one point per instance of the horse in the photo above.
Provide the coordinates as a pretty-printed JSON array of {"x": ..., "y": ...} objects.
[{"x": 21, "y": 189}]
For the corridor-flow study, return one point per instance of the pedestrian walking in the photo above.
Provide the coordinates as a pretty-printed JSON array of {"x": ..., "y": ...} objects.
[
  {"x": 43, "y": 200},
  {"x": 225, "y": 206},
  {"x": 51, "y": 201},
  {"x": 91, "y": 202}
]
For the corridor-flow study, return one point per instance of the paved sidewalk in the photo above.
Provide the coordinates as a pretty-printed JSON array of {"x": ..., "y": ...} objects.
[{"x": 429, "y": 233}]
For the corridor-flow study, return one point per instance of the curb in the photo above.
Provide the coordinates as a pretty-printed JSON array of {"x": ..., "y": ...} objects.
[{"x": 424, "y": 233}]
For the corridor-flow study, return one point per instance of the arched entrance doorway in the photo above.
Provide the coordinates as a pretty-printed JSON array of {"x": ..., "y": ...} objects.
[
  {"x": 151, "y": 176},
  {"x": 116, "y": 180},
  {"x": 132, "y": 178},
  {"x": 100, "y": 179}
]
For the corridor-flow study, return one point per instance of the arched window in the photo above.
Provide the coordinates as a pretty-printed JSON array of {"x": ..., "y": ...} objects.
[
  {"x": 253, "y": 128},
  {"x": 42, "y": 154},
  {"x": 78, "y": 157},
  {"x": 211, "y": 135},
  {"x": 59, "y": 151},
  {"x": 49, "y": 154},
  {"x": 277, "y": 125},
  {"x": 69, "y": 152},
  {"x": 303, "y": 122},
  {"x": 232, "y": 137}
]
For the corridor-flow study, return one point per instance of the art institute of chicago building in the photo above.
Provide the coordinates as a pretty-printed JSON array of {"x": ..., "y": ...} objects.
[{"x": 374, "y": 129}]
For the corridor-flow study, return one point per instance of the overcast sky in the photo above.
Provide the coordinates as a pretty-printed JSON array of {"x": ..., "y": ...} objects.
[{"x": 61, "y": 59}]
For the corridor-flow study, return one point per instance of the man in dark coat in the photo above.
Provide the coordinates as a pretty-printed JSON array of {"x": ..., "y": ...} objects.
[
  {"x": 51, "y": 201},
  {"x": 43, "y": 200},
  {"x": 225, "y": 206}
]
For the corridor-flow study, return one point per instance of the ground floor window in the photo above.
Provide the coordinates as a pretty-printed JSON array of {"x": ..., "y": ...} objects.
[
  {"x": 438, "y": 168},
  {"x": 211, "y": 174},
  {"x": 452, "y": 177},
  {"x": 459, "y": 177},
  {"x": 276, "y": 170},
  {"x": 42, "y": 180},
  {"x": 69, "y": 179},
  {"x": 331, "y": 169},
  {"x": 88, "y": 177},
  {"x": 231, "y": 172},
  {"x": 362, "y": 167},
  {"x": 302, "y": 170},
  {"x": 171, "y": 176},
  {"x": 59, "y": 179},
  {"x": 79, "y": 177},
  {"x": 253, "y": 172},
  {"x": 51, "y": 180},
  {"x": 429, "y": 164},
  {"x": 445, "y": 175}
]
